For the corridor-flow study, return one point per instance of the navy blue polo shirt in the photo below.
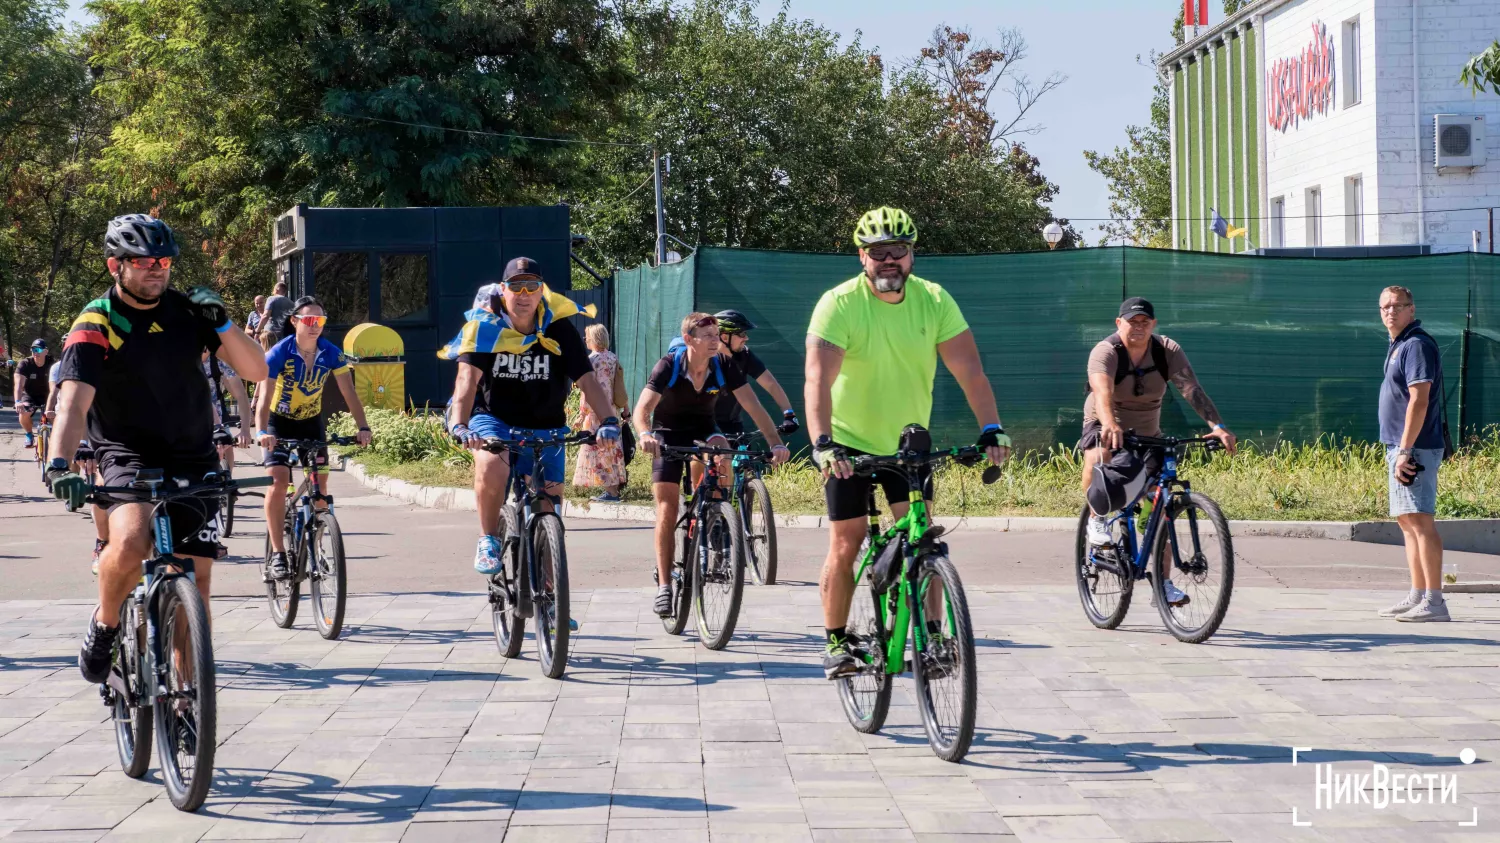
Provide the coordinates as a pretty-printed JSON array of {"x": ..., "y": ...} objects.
[{"x": 1411, "y": 358}]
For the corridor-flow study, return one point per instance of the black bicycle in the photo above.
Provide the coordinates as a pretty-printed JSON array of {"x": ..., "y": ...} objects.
[
  {"x": 314, "y": 545},
  {"x": 533, "y": 578},
  {"x": 223, "y": 439},
  {"x": 709, "y": 568},
  {"x": 1174, "y": 538},
  {"x": 752, "y": 500},
  {"x": 162, "y": 677}
]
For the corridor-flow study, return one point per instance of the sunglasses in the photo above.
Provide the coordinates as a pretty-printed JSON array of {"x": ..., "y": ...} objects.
[
  {"x": 524, "y": 285},
  {"x": 311, "y": 321},
  {"x": 888, "y": 253},
  {"x": 147, "y": 263}
]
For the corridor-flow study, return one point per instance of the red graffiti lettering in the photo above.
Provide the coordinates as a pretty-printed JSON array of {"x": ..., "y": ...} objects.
[{"x": 1297, "y": 88}]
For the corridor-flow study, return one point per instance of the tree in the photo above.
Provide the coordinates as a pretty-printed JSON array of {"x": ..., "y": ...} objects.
[
  {"x": 969, "y": 73},
  {"x": 1140, "y": 180},
  {"x": 1483, "y": 71}
]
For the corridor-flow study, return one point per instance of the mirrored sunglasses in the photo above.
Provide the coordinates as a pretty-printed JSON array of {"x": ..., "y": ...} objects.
[
  {"x": 147, "y": 263},
  {"x": 524, "y": 285},
  {"x": 311, "y": 321},
  {"x": 888, "y": 253}
]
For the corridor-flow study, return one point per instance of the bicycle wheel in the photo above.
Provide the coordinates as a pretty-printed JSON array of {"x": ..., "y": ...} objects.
[
  {"x": 1202, "y": 569},
  {"x": 719, "y": 585},
  {"x": 552, "y": 609},
  {"x": 1105, "y": 595},
  {"x": 328, "y": 576},
  {"x": 760, "y": 531},
  {"x": 866, "y": 695},
  {"x": 43, "y": 436},
  {"x": 227, "y": 500},
  {"x": 186, "y": 715},
  {"x": 682, "y": 583},
  {"x": 132, "y": 722},
  {"x": 282, "y": 595},
  {"x": 943, "y": 671}
]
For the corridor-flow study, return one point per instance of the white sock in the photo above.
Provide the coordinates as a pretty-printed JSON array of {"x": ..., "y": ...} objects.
[
  {"x": 1415, "y": 596},
  {"x": 1435, "y": 595}
]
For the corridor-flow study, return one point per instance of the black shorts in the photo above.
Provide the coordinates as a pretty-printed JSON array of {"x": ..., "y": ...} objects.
[
  {"x": 670, "y": 469},
  {"x": 1090, "y": 437},
  {"x": 282, "y": 427},
  {"x": 195, "y": 523},
  {"x": 850, "y": 498}
]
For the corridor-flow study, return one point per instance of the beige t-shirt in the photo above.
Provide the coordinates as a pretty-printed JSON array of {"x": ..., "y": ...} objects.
[{"x": 1141, "y": 413}]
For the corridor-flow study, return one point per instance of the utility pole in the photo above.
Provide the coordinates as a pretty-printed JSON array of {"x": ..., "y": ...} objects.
[{"x": 661, "y": 235}]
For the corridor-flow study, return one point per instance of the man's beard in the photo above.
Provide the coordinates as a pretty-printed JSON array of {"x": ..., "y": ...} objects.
[
  {"x": 135, "y": 294},
  {"x": 890, "y": 284}
]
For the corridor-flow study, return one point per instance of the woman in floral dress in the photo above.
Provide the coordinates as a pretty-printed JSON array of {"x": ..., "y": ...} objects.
[{"x": 602, "y": 464}]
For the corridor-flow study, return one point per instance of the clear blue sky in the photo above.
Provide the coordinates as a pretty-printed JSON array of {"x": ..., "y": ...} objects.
[{"x": 1093, "y": 42}]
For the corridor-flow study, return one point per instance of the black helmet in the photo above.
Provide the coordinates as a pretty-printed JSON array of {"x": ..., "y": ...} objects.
[
  {"x": 733, "y": 322},
  {"x": 139, "y": 236}
]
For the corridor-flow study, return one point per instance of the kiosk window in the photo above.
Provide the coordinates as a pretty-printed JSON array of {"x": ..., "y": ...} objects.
[
  {"x": 403, "y": 288},
  {"x": 341, "y": 282}
]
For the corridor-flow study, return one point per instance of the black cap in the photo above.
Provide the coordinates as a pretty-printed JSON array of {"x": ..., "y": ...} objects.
[
  {"x": 1135, "y": 307},
  {"x": 38, "y": 342},
  {"x": 521, "y": 268}
]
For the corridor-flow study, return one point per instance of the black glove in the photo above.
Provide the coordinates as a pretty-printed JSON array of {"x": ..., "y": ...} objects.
[
  {"x": 67, "y": 485},
  {"x": 790, "y": 425},
  {"x": 993, "y": 436},
  {"x": 208, "y": 306}
]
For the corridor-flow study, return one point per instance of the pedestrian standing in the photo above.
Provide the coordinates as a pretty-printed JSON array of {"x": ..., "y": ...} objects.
[
  {"x": 273, "y": 318},
  {"x": 1411, "y": 427},
  {"x": 603, "y": 463},
  {"x": 252, "y": 322}
]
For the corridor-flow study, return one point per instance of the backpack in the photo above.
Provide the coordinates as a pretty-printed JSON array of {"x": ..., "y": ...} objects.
[
  {"x": 678, "y": 349},
  {"x": 1123, "y": 366}
]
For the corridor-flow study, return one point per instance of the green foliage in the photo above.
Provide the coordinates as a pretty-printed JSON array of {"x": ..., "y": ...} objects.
[
  {"x": 1483, "y": 71},
  {"x": 1140, "y": 180},
  {"x": 405, "y": 438}
]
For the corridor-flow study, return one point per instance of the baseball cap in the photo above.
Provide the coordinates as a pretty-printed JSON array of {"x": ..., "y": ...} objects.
[
  {"x": 1135, "y": 307},
  {"x": 38, "y": 343},
  {"x": 521, "y": 268}
]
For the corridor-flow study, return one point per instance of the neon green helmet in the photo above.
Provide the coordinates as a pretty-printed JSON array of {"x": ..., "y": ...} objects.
[{"x": 885, "y": 225}]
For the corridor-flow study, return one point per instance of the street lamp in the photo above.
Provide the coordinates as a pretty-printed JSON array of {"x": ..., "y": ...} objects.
[{"x": 1053, "y": 234}]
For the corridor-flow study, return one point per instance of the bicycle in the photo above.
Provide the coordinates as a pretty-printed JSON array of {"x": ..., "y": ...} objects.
[
  {"x": 314, "y": 545},
  {"x": 709, "y": 569},
  {"x": 1106, "y": 579},
  {"x": 906, "y": 582},
  {"x": 535, "y": 583},
  {"x": 753, "y": 501},
  {"x": 43, "y": 432},
  {"x": 162, "y": 678},
  {"x": 222, "y": 439}
]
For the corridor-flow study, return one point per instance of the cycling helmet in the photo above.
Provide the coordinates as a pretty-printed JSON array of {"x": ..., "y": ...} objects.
[
  {"x": 885, "y": 225},
  {"x": 733, "y": 322},
  {"x": 139, "y": 236}
]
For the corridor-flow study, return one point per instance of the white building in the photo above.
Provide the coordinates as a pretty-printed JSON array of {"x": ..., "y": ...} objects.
[{"x": 1316, "y": 123}]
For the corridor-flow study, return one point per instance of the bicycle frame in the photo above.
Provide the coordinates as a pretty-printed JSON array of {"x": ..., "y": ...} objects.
[
  {"x": 301, "y": 509},
  {"x": 1168, "y": 485},
  {"x": 527, "y": 492},
  {"x": 911, "y": 527}
]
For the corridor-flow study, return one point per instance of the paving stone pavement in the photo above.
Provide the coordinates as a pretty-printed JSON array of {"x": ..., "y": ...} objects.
[{"x": 413, "y": 728}]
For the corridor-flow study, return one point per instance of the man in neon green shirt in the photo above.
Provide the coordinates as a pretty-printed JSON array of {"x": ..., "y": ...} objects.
[{"x": 872, "y": 351}]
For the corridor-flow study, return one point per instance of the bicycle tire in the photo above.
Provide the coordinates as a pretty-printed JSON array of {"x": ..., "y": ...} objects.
[
  {"x": 681, "y": 584},
  {"x": 949, "y": 732},
  {"x": 718, "y": 590},
  {"x": 866, "y": 695},
  {"x": 327, "y": 572},
  {"x": 181, "y": 608},
  {"x": 227, "y": 500},
  {"x": 132, "y": 723},
  {"x": 1171, "y": 616},
  {"x": 283, "y": 596},
  {"x": 1099, "y": 612},
  {"x": 760, "y": 531},
  {"x": 552, "y": 606},
  {"x": 510, "y": 629},
  {"x": 43, "y": 437}
]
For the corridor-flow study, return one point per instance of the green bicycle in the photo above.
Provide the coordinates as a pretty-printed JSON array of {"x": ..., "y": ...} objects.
[{"x": 905, "y": 581}]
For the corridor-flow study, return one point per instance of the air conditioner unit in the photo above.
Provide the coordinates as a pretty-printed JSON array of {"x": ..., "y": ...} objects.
[{"x": 1458, "y": 140}]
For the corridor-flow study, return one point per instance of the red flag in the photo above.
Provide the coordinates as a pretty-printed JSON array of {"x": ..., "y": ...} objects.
[
  {"x": 1203, "y": 12},
  {"x": 1189, "y": 16}
]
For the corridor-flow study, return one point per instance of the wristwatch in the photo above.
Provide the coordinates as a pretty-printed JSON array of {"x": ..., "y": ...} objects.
[
  {"x": 57, "y": 464},
  {"x": 823, "y": 442}
]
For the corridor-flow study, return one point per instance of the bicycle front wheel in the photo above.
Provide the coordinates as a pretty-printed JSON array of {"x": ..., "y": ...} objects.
[
  {"x": 227, "y": 500},
  {"x": 719, "y": 584},
  {"x": 43, "y": 437},
  {"x": 943, "y": 669},
  {"x": 186, "y": 715},
  {"x": 328, "y": 575},
  {"x": 552, "y": 609},
  {"x": 1105, "y": 594},
  {"x": 681, "y": 583},
  {"x": 282, "y": 595},
  {"x": 760, "y": 531},
  {"x": 1201, "y": 566},
  {"x": 132, "y": 722},
  {"x": 866, "y": 695}
]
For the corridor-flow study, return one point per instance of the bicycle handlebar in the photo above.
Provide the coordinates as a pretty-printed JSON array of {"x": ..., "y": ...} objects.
[
  {"x": 495, "y": 444},
  {"x": 167, "y": 490},
  {"x": 867, "y": 464},
  {"x": 313, "y": 444},
  {"x": 709, "y": 450},
  {"x": 1172, "y": 442}
]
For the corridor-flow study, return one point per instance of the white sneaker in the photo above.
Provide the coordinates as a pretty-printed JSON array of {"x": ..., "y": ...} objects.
[
  {"x": 1406, "y": 604},
  {"x": 1426, "y": 612},
  {"x": 1098, "y": 532}
]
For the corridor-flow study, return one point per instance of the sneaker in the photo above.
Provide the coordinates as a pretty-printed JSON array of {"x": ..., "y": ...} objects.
[
  {"x": 1175, "y": 595},
  {"x": 606, "y": 498},
  {"x": 1426, "y": 612},
  {"x": 839, "y": 661},
  {"x": 98, "y": 549},
  {"x": 1407, "y": 603},
  {"x": 663, "y": 603},
  {"x": 1098, "y": 532},
  {"x": 221, "y": 551},
  {"x": 280, "y": 567},
  {"x": 487, "y": 556},
  {"x": 98, "y": 651},
  {"x": 30, "y": 441}
]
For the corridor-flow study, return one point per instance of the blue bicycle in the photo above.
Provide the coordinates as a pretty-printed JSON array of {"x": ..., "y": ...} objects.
[
  {"x": 753, "y": 502},
  {"x": 1186, "y": 536},
  {"x": 314, "y": 545}
]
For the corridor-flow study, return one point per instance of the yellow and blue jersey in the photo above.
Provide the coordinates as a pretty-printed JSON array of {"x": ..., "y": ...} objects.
[{"x": 296, "y": 388}]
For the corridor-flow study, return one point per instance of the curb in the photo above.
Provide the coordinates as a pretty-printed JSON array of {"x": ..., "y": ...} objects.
[{"x": 1476, "y": 535}]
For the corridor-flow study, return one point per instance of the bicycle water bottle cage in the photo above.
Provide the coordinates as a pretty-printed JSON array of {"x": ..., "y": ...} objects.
[
  {"x": 915, "y": 437},
  {"x": 886, "y": 567}
]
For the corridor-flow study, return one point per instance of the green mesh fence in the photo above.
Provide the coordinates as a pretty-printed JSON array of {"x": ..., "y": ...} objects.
[{"x": 1288, "y": 348}]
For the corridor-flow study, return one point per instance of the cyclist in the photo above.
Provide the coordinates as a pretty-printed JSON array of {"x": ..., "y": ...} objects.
[
  {"x": 677, "y": 408},
  {"x": 872, "y": 352},
  {"x": 1135, "y": 351},
  {"x": 734, "y": 350},
  {"x": 298, "y": 368},
  {"x": 518, "y": 360},
  {"x": 31, "y": 385},
  {"x": 130, "y": 367},
  {"x": 85, "y": 460}
]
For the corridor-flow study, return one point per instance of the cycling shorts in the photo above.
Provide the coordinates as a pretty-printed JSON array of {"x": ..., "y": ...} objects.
[
  {"x": 282, "y": 427},
  {"x": 195, "y": 522},
  {"x": 850, "y": 498},
  {"x": 554, "y": 460}
]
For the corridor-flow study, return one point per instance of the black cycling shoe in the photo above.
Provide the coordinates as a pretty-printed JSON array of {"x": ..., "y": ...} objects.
[
  {"x": 663, "y": 602},
  {"x": 98, "y": 651},
  {"x": 280, "y": 567},
  {"x": 839, "y": 661}
]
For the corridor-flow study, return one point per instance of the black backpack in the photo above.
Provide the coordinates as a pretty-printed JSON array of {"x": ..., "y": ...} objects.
[{"x": 1123, "y": 366}]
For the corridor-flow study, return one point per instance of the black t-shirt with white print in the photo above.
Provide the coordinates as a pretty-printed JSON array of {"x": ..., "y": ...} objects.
[{"x": 530, "y": 390}]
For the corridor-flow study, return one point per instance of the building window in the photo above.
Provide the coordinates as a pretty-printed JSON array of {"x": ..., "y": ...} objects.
[
  {"x": 1278, "y": 222},
  {"x": 342, "y": 283},
  {"x": 1351, "y": 62},
  {"x": 1313, "y": 210},
  {"x": 404, "y": 288},
  {"x": 1354, "y": 211}
]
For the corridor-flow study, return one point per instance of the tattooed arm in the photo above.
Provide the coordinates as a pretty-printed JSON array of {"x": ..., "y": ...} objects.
[
  {"x": 824, "y": 359},
  {"x": 1193, "y": 392}
]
